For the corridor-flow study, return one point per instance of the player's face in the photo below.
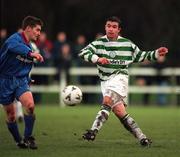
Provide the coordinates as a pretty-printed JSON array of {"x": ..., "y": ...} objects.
[
  {"x": 112, "y": 30},
  {"x": 34, "y": 32}
]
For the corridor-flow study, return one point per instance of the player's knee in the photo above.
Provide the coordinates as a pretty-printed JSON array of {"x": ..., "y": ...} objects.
[
  {"x": 119, "y": 110},
  {"x": 30, "y": 107},
  {"x": 116, "y": 110},
  {"x": 31, "y": 110},
  {"x": 10, "y": 112},
  {"x": 11, "y": 117}
]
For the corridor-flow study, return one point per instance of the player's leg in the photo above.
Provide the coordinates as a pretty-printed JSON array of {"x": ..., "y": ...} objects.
[
  {"x": 103, "y": 114},
  {"x": 128, "y": 122},
  {"x": 12, "y": 125},
  {"x": 101, "y": 118},
  {"x": 19, "y": 111},
  {"x": 6, "y": 99},
  {"x": 29, "y": 118}
]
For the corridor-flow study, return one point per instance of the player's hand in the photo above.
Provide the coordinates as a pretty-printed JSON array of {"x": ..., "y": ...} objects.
[
  {"x": 37, "y": 56},
  {"x": 103, "y": 61},
  {"x": 162, "y": 51}
]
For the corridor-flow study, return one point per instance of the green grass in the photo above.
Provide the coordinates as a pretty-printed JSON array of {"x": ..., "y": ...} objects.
[{"x": 58, "y": 133}]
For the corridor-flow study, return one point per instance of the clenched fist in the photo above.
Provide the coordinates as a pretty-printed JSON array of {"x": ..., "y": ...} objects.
[
  {"x": 103, "y": 61},
  {"x": 37, "y": 56},
  {"x": 162, "y": 51}
]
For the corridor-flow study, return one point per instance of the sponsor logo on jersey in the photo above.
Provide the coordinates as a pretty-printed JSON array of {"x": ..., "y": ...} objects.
[
  {"x": 117, "y": 62},
  {"x": 24, "y": 59}
]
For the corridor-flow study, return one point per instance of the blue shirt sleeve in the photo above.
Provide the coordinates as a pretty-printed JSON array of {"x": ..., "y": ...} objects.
[{"x": 17, "y": 46}]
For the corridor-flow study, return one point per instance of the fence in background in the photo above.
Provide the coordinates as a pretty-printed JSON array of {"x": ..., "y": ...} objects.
[{"x": 172, "y": 73}]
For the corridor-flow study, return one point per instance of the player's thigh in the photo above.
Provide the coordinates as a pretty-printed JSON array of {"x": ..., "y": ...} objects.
[
  {"x": 112, "y": 98},
  {"x": 118, "y": 84},
  {"x": 23, "y": 87},
  {"x": 27, "y": 99},
  {"x": 7, "y": 88}
]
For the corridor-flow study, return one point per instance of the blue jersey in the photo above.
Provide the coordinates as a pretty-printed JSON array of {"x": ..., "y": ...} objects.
[{"x": 14, "y": 57}]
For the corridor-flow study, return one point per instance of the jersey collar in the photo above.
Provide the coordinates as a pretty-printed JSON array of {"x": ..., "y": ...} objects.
[
  {"x": 24, "y": 38},
  {"x": 119, "y": 37}
]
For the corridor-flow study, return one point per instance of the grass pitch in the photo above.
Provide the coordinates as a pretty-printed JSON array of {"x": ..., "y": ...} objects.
[{"x": 58, "y": 132}]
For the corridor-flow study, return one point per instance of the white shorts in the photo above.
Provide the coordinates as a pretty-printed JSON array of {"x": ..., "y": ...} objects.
[{"x": 118, "y": 84}]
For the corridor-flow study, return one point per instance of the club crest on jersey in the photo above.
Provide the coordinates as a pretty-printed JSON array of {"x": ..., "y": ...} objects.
[{"x": 112, "y": 54}]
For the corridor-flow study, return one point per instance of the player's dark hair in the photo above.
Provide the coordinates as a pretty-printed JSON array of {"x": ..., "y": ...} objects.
[
  {"x": 31, "y": 21},
  {"x": 114, "y": 19}
]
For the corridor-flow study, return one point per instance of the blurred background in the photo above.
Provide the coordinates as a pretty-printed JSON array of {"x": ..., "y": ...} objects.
[{"x": 71, "y": 24}]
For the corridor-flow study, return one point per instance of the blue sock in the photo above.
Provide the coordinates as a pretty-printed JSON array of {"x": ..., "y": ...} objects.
[
  {"x": 13, "y": 128},
  {"x": 29, "y": 123}
]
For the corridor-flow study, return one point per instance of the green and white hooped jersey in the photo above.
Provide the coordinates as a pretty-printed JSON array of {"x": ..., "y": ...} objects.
[{"x": 120, "y": 53}]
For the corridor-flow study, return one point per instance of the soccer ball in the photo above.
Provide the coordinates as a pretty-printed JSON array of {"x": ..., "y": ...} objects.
[{"x": 71, "y": 95}]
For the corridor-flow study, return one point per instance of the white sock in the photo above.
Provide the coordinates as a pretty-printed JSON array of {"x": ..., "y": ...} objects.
[
  {"x": 19, "y": 110},
  {"x": 101, "y": 118}
]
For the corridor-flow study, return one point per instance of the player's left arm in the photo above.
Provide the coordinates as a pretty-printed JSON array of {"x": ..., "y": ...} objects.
[
  {"x": 89, "y": 55},
  {"x": 162, "y": 51},
  {"x": 140, "y": 56}
]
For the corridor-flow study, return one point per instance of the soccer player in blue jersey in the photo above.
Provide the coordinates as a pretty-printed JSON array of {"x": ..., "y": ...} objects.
[{"x": 16, "y": 61}]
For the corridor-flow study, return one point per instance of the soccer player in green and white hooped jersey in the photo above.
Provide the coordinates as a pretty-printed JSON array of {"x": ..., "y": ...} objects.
[{"x": 112, "y": 54}]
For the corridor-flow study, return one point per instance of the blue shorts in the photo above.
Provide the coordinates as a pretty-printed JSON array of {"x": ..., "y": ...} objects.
[{"x": 11, "y": 88}]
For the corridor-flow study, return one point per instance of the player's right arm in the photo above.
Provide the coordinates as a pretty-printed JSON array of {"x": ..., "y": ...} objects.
[
  {"x": 89, "y": 54},
  {"x": 17, "y": 47},
  {"x": 37, "y": 56}
]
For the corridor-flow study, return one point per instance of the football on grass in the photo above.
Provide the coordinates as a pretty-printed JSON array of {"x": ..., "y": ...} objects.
[{"x": 72, "y": 95}]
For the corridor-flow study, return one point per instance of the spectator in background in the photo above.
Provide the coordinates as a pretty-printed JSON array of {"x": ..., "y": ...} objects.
[
  {"x": 45, "y": 47},
  {"x": 60, "y": 40},
  {"x": 19, "y": 30},
  {"x": 79, "y": 44},
  {"x": 64, "y": 60},
  {"x": 178, "y": 91},
  {"x": 39, "y": 79},
  {"x": 145, "y": 81},
  {"x": 3, "y": 35},
  {"x": 99, "y": 35},
  {"x": 162, "y": 81}
]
